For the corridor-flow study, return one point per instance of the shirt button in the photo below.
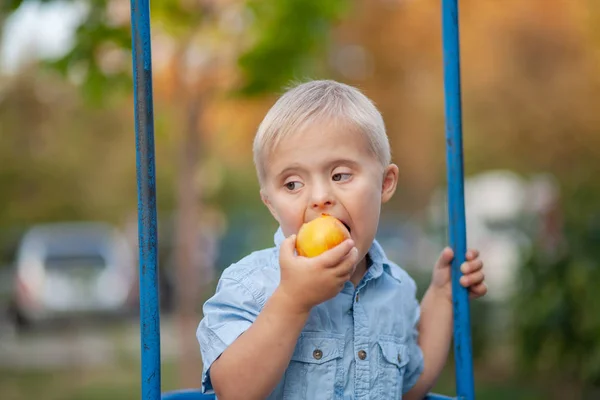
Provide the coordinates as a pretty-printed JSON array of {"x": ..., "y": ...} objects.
[
  {"x": 317, "y": 354},
  {"x": 362, "y": 354},
  {"x": 357, "y": 297},
  {"x": 399, "y": 358}
]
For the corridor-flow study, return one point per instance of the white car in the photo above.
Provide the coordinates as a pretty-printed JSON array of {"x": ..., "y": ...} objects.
[{"x": 67, "y": 269}]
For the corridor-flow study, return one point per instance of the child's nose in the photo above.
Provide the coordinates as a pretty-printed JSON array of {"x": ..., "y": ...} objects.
[
  {"x": 322, "y": 199},
  {"x": 322, "y": 204}
]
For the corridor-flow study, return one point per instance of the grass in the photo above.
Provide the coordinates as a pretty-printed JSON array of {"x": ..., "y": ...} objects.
[
  {"x": 122, "y": 382},
  {"x": 492, "y": 389},
  {"x": 119, "y": 382}
]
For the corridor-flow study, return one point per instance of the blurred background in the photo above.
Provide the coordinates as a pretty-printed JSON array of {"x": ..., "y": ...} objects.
[{"x": 68, "y": 208}]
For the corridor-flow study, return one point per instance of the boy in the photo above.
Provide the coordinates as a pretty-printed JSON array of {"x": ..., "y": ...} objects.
[{"x": 345, "y": 324}]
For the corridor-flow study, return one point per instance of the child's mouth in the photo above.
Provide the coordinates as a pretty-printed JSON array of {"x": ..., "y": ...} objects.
[{"x": 347, "y": 227}]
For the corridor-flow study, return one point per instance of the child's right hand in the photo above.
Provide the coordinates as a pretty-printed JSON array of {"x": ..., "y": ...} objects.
[{"x": 306, "y": 282}]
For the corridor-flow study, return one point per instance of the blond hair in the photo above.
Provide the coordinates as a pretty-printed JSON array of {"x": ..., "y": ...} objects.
[{"x": 320, "y": 100}]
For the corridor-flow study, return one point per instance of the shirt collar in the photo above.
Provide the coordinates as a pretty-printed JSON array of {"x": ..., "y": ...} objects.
[
  {"x": 376, "y": 255},
  {"x": 278, "y": 238}
]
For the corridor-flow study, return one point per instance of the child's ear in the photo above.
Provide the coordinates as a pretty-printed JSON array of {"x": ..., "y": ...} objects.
[
  {"x": 265, "y": 199},
  {"x": 390, "y": 181}
]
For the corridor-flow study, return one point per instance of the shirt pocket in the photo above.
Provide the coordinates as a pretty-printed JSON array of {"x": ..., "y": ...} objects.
[
  {"x": 393, "y": 358},
  {"x": 314, "y": 368}
]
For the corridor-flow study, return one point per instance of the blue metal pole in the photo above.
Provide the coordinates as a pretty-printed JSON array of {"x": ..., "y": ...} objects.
[
  {"x": 456, "y": 198},
  {"x": 146, "y": 183}
]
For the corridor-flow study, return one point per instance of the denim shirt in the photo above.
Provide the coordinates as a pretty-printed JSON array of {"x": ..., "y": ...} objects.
[{"x": 361, "y": 344}]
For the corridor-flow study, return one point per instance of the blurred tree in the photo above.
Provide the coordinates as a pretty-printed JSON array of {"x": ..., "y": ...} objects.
[
  {"x": 42, "y": 176},
  {"x": 270, "y": 42},
  {"x": 557, "y": 332}
]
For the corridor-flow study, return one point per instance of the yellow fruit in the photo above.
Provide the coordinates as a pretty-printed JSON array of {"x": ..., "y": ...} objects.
[{"x": 319, "y": 235}]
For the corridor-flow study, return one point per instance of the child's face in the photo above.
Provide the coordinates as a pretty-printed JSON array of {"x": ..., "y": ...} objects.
[{"x": 327, "y": 168}]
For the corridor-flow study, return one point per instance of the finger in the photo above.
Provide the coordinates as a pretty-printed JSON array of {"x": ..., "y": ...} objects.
[
  {"x": 472, "y": 254},
  {"x": 478, "y": 291},
  {"x": 287, "y": 249},
  {"x": 445, "y": 258},
  {"x": 472, "y": 279},
  {"x": 333, "y": 257},
  {"x": 348, "y": 264},
  {"x": 471, "y": 266}
]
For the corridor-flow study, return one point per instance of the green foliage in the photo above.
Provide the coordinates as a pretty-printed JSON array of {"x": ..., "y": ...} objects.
[
  {"x": 92, "y": 36},
  {"x": 289, "y": 35},
  {"x": 558, "y": 328},
  {"x": 178, "y": 18},
  {"x": 8, "y": 6}
]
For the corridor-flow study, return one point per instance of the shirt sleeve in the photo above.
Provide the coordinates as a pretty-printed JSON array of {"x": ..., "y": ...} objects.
[
  {"x": 414, "y": 368},
  {"x": 227, "y": 315}
]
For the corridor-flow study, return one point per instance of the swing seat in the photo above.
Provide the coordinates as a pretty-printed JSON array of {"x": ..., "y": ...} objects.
[{"x": 196, "y": 394}]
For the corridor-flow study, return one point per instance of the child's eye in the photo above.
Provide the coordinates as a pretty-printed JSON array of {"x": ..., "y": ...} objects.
[
  {"x": 340, "y": 177},
  {"x": 293, "y": 185}
]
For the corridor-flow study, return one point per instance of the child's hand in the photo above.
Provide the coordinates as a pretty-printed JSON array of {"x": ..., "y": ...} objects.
[
  {"x": 306, "y": 282},
  {"x": 472, "y": 269}
]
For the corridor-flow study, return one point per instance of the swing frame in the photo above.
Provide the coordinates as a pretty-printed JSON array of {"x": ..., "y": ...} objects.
[{"x": 147, "y": 215}]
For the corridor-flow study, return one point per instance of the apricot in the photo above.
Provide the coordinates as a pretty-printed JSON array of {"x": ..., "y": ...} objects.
[{"x": 319, "y": 235}]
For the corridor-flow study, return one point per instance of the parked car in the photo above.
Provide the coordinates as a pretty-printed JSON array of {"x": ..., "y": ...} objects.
[{"x": 68, "y": 269}]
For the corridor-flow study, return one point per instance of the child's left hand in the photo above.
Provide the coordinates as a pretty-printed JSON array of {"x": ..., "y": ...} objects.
[{"x": 472, "y": 269}]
